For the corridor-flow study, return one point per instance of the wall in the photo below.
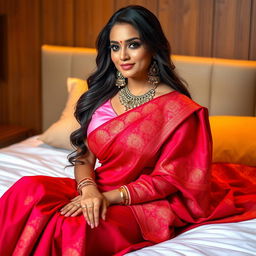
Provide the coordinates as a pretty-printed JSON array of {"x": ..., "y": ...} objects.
[
  {"x": 20, "y": 92},
  {"x": 212, "y": 28}
]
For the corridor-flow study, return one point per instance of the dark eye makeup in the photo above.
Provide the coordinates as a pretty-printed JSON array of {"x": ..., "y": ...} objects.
[
  {"x": 134, "y": 45},
  {"x": 131, "y": 45},
  {"x": 114, "y": 47}
]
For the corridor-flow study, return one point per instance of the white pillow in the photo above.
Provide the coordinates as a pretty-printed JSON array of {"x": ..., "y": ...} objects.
[{"x": 58, "y": 134}]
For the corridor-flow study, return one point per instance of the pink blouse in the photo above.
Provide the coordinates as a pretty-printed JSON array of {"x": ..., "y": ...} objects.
[{"x": 102, "y": 114}]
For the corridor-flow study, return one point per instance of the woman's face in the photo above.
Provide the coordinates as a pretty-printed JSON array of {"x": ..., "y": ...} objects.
[{"x": 130, "y": 56}]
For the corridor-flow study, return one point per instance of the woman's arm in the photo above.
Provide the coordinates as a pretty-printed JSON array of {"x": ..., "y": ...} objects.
[
  {"x": 87, "y": 169},
  {"x": 184, "y": 164},
  {"x": 91, "y": 202}
]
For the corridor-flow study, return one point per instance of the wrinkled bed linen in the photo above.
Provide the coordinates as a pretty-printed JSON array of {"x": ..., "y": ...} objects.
[{"x": 31, "y": 157}]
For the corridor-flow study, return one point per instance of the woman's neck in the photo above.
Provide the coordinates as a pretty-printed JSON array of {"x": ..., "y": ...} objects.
[{"x": 138, "y": 87}]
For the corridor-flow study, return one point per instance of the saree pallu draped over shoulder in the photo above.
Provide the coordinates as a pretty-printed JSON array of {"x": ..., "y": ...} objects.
[{"x": 162, "y": 152}]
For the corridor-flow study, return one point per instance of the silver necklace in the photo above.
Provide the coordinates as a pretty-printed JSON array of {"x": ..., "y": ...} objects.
[{"x": 131, "y": 101}]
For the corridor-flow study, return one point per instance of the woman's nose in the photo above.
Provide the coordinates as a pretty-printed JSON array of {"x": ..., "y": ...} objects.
[{"x": 124, "y": 54}]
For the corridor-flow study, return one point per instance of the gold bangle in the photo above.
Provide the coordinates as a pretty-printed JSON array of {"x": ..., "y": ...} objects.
[
  {"x": 85, "y": 182},
  {"x": 85, "y": 179},
  {"x": 124, "y": 195},
  {"x": 121, "y": 194},
  {"x": 84, "y": 185},
  {"x": 128, "y": 197}
]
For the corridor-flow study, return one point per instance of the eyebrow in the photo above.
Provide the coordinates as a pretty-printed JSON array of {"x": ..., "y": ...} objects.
[{"x": 127, "y": 41}]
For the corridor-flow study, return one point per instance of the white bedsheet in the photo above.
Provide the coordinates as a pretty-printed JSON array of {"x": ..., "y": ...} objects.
[
  {"x": 229, "y": 239},
  {"x": 32, "y": 157}
]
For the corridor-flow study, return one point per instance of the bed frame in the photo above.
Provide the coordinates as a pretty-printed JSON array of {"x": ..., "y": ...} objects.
[{"x": 225, "y": 87}]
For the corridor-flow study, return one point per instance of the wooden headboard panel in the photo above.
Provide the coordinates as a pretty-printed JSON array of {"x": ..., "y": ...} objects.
[{"x": 225, "y": 87}]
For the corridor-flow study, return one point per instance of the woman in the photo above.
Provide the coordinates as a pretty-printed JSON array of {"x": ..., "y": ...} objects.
[{"x": 154, "y": 146}]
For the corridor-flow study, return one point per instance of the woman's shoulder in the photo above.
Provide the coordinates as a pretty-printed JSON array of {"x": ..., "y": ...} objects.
[
  {"x": 178, "y": 99},
  {"x": 163, "y": 89}
]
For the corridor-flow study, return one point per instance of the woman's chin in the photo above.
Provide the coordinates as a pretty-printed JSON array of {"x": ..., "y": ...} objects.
[{"x": 134, "y": 76}]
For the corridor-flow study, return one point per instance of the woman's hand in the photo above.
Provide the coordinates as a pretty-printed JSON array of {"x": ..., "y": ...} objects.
[
  {"x": 93, "y": 204},
  {"x": 73, "y": 208}
]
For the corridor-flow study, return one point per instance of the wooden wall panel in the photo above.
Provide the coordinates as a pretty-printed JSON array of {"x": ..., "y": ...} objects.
[
  {"x": 3, "y": 102},
  {"x": 3, "y": 7},
  {"x": 152, "y": 5},
  {"x": 57, "y": 20},
  {"x": 3, "y": 68},
  {"x": 252, "y": 55},
  {"x": 3, "y": 47},
  {"x": 231, "y": 29},
  {"x": 188, "y": 25},
  {"x": 89, "y": 18},
  {"x": 24, "y": 92},
  {"x": 3, "y": 65}
]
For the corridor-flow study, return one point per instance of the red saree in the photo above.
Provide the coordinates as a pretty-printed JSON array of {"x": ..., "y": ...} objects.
[{"x": 161, "y": 151}]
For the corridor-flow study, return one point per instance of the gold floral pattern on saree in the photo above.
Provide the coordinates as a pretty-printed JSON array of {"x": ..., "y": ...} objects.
[
  {"x": 158, "y": 117},
  {"x": 135, "y": 141},
  {"x": 147, "y": 127},
  {"x": 148, "y": 108},
  {"x": 132, "y": 116},
  {"x": 76, "y": 249},
  {"x": 71, "y": 252},
  {"x": 28, "y": 236},
  {"x": 160, "y": 217},
  {"x": 196, "y": 175},
  {"x": 166, "y": 168},
  {"x": 116, "y": 126},
  {"x": 173, "y": 107},
  {"x": 28, "y": 200},
  {"x": 102, "y": 137}
]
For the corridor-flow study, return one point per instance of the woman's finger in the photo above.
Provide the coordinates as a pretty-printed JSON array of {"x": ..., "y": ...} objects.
[
  {"x": 84, "y": 210},
  {"x": 66, "y": 208},
  {"x": 77, "y": 212},
  {"x": 77, "y": 202},
  {"x": 70, "y": 209},
  {"x": 77, "y": 198},
  {"x": 96, "y": 213},
  {"x": 90, "y": 214},
  {"x": 104, "y": 210}
]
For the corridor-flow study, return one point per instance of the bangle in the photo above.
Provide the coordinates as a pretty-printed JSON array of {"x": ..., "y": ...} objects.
[
  {"x": 128, "y": 195},
  {"x": 87, "y": 178},
  {"x": 85, "y": 182},
  {"x": 121, "y": 194},
  {"x": 124, "y": 195}
]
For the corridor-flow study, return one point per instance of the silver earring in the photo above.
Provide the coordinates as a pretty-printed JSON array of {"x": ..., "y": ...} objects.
[
  {"x": 120, "y": 79},
  {"x": 153, "y": 74}
]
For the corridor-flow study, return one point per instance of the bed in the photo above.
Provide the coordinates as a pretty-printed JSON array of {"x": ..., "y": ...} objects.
[{"x": 226, "y": 87}]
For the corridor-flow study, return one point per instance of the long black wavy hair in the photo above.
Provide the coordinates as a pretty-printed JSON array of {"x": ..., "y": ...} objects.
[{"x": 101, "y": 83}]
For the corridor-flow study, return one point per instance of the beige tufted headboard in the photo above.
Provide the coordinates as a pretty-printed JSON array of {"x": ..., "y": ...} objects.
[{"x": 225, "y": 87}]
